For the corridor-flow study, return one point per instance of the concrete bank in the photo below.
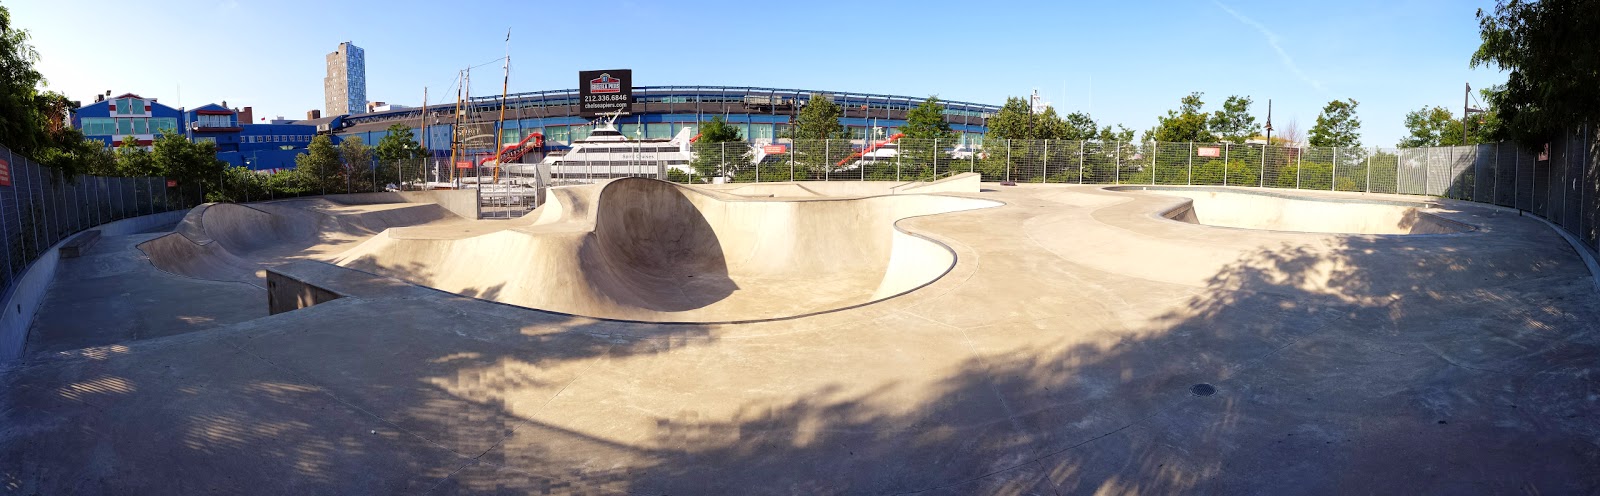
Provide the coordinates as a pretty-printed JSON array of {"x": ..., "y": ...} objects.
[{"x": 22, "y": 302}]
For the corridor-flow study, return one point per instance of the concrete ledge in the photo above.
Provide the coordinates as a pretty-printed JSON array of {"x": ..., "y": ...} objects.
[
  {"x": 285, "y": 294},
  {"x": 462, "y": 202},
  {"x": 20, "y": 305},
  {"x": 79, "y": 243}
]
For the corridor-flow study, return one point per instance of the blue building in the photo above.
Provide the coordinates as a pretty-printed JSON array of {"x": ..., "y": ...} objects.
[
  {"x": 245, "y": 144},
  {"x": 111, "y": 119},
  {"x": 238, "y": 141}
]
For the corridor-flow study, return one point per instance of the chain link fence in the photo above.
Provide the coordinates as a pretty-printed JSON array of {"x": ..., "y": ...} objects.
[
  {"x": 1558, "y": 182},
  {"x": 39, "y": 207}
]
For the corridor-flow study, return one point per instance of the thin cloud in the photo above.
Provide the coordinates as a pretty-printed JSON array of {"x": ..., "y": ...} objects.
[{"x": 1272, "y": 39}]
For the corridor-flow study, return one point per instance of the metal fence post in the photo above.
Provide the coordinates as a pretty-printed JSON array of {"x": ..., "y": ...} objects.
[
  {"x": 1008, "y": 159},
  {"x": 1299, "y": 160},
  {"x": 1369, "y": 169},
  {"x": 1264, "y": 149},
  {"x": 1045, "y": 176},
  {"x": 1333, "y": 176},
  {"x": 723, "y": 156},
  {"x": 1080, "y": 162},
  {"x": 34, "y": 225},
  {"x": 5, "y": 231},
  {"x": 972, "y": 160},
  {"x": 1226, "y": 158},
  {"x": 826, "y": 151},
  {"x": 95, "y": 200},
  {"x": 1516, "y": 181},
  {"x": 1494, "y": 188},
  {"x": 1116, "y": 173},
  {"x": 1153, "y": 148},
  {"x": 792, "y": 146},
  {"x": 1190, "y": 159}
]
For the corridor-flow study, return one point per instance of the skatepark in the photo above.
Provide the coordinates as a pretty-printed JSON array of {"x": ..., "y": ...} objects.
[{"x": 861, "y": 337}]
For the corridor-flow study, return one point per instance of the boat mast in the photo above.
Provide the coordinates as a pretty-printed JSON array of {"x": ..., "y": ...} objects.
[
  {"x": 455, "y": 129},
  {"x": 500, "y": 132},
  {"x": 422, "y": 127}
]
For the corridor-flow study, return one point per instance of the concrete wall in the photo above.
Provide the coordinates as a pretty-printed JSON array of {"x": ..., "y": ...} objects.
[
  {"x": 286, "y": 293},
  {"x": 20, "y": 306},
  {"x": 462, "y": 202}
]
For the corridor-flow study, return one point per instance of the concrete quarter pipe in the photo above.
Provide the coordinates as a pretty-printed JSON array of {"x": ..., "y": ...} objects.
[{"x": 647, "y": 250}]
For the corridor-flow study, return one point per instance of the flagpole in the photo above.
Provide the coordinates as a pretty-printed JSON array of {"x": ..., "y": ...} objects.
[{"x": 500, "y": 128}]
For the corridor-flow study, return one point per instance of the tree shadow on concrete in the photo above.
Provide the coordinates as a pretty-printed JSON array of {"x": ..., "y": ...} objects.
[
  {"x": 1357, "y": 364},
  {"x": 1365, "y": 365}
]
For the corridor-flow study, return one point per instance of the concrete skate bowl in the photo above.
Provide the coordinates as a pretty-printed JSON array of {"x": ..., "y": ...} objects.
[
  {"x": 231, "y": 242},
  {"x": 646, "y": 250},
  {"x": 1285, "y": 211}
]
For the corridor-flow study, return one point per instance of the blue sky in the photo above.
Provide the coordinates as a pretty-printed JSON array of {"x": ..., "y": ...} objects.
[{"x": 1123, "y": 62}]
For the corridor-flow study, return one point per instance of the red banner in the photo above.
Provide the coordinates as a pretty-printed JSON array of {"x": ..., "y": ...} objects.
[
  {"x": 463, "y": 165},
  {"x": 5, "y": 173},
  {"x": 774, "y": 149},
  {"x": 1208, "y": 151},
  {"x": 172, "y": 183}
]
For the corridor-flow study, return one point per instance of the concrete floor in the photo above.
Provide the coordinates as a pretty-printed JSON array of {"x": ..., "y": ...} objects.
[{"x": 1057, "y": 357}]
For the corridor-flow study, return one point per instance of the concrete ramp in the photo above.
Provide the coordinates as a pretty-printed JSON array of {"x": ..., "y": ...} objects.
[
  {"x": 231, "y": 242},
  {"x": 1286, "y": 211},
  {"x": 641, "y": 249}
]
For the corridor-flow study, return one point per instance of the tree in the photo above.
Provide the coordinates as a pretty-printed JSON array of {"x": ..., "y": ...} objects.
[
  {"x": 318, "y": 167},
  {"x": 926, "y": 122},
  {"x": 1434, "y": 126},
  {"x": 398, "y": 145},
  {"x": 720, "y": 148},
  {"x": 926, "y": 135},
  {"x": 187, "y": 162},
  {"x": 1290, "y": 134},
  {"x": 22, "y": 122},
  {"x": 1234, "y": 123},
  {"x": 133, "y": 160},
  {"x": 1337, "y": 125},
  {"x": 357, "y": 158},
  {"x": 818, "y": 119},
  {"x": 1013, "y": 121},
  {"x": 1048, "y": 125},
  {"x": 1552, "y": 56},
  {"x": 1187, "y": 123},
  {"x": 1078, "y": 126}
]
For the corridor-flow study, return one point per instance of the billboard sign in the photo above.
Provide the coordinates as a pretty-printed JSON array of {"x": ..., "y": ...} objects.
[{"x": 604, "y": 92}]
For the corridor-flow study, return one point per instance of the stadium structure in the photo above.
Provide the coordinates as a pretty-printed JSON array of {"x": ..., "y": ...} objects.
[{"x": 659, "y": 112}]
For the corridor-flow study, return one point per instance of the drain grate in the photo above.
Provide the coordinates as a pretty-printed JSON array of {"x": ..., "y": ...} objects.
[{"x": 1203, "y": 389}]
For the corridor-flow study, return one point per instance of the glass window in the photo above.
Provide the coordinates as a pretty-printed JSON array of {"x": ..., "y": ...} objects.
[
  {"x": 99, "y": 126},
  {"x": 124, "y": 126},
  {"x": 159, "y": 124},
  {"x": 206, "y": 139},
  {"x": 510, "y": 135},
  {"x": 123, "y": 107},
  {"x": 557, "y": 134},
  {"x": 629, "y": 130},
  {"x": 760, "y": 131},
  {"x": 662, "y": 130},
  {"x": 581, "y": 132},
  {"x": 141, "y": 126}
]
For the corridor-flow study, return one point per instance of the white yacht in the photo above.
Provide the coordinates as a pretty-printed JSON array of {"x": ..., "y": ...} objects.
[{"x": 608, "y": 153}]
